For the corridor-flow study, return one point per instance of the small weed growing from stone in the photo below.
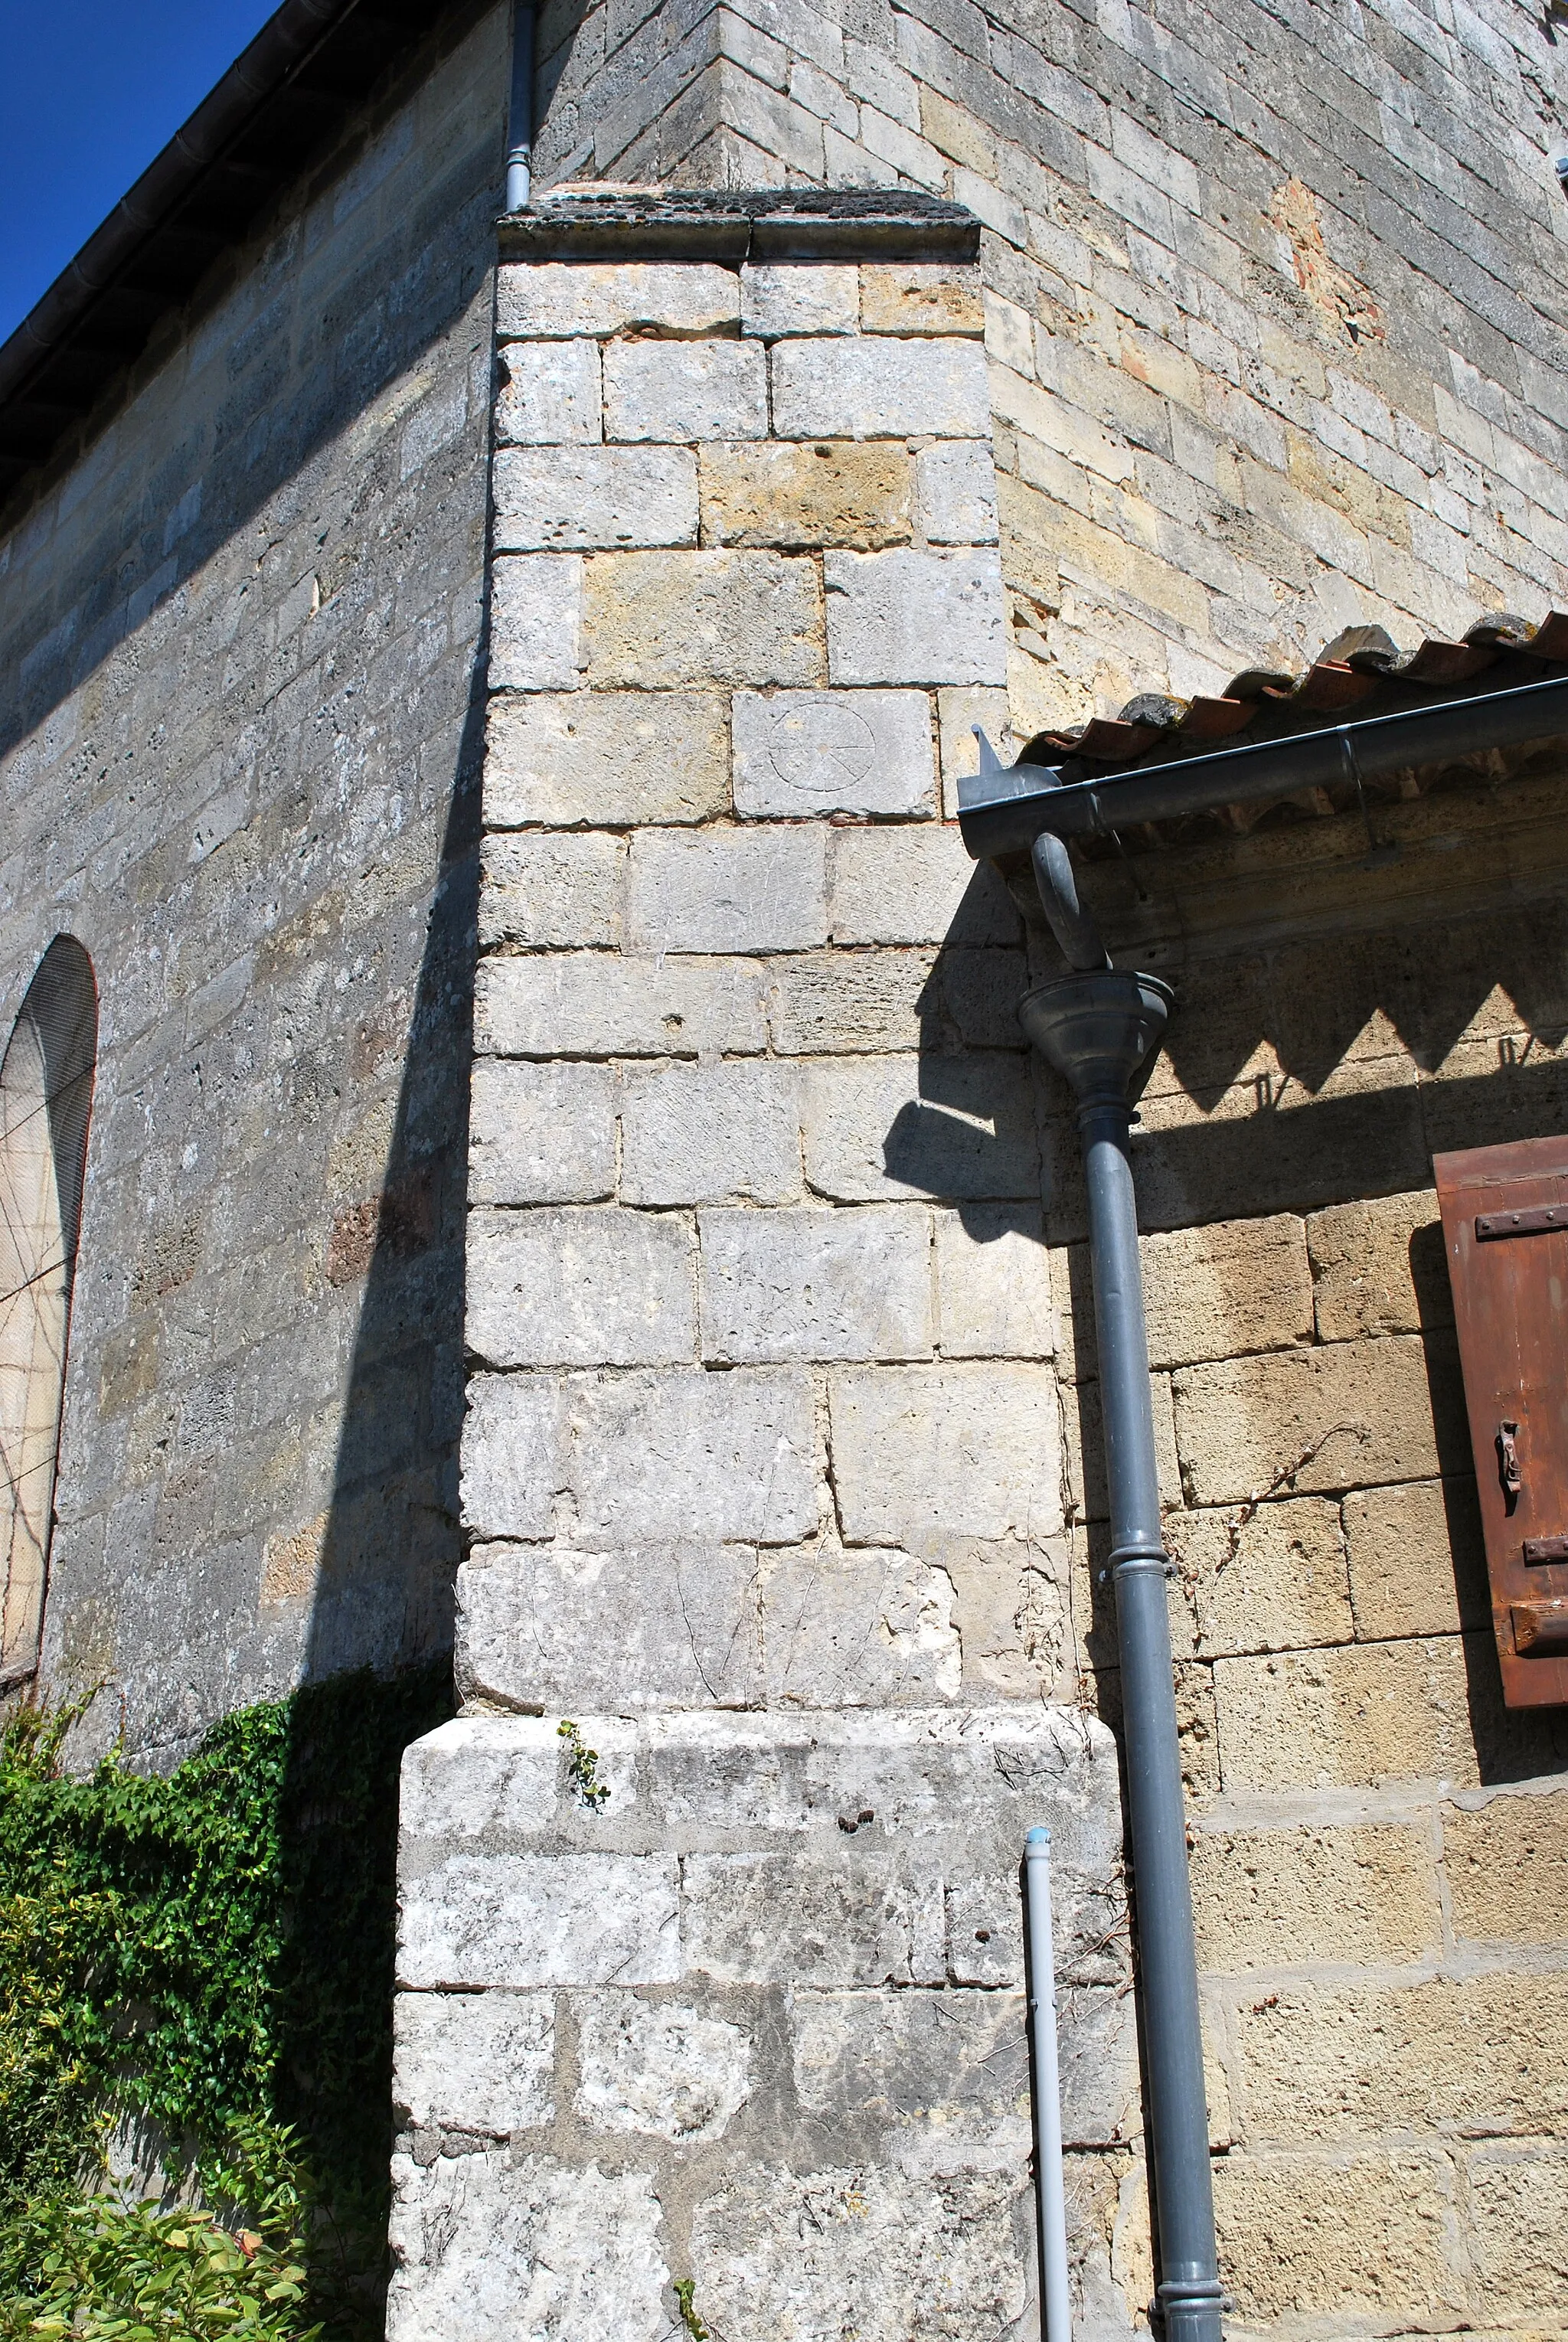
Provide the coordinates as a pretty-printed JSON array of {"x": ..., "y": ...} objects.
[
  {"x": 582, "y": 1767},
  {"x": 686, "y": 2286}
]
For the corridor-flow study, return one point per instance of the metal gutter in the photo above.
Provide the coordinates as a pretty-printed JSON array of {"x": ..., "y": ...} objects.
[{"x": 1004, "y": 810}]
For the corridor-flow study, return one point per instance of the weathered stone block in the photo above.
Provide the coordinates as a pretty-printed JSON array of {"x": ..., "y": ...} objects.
[
  {"x": 523, "y": 1920},
  {"x": 1010, "y": 1606},
  {"x": 639, "y": 1627},
  {"x": 1348, "y": 1415},
  {"x": 958, "y": 491},
  {"x": 511, "y": 1455},
  {"x": 606, "y": 758},
  {"x": 1507, "y": 1863},
  {"x": 945, "y": 1126},
  {"x": 714, "y": 1134},
  {"x": 1222, "y": 1291},
  {"x": 727, "y": 890},
  {"x": 599, "y": 1004},
  {"x": 993, "y": 1284},
  {"x": 549, "y": 395},
  {"x": 677, "y": 1455},
  {"x": 654, "y": 619},
  {"x": 1448, "y": 2056},
  {"x": 878, "y": 2256},
  {"x": 1358, "y": 2234},
  {"x": 539, "y": 891},
  {"x": 762, "y": 1918},
  {"x": 1417, "y": 1564},
  {"x": 480, "y": 2242},
  {"x": 796, "y": 297},
  {"x": 779, "y": 1286},
  {"x": 923, "y": 1452},
  {"x": 686, "y": 391},
  {"x": 1520, "y": 2197},
  {"x": 913, "y": 884},
  {"x": 1281, "y": 1897},
  {"x": 864, "y": 1628},
  {"x": 907, "y": 616},
  {"x": 578, "y": 1287},
  {"x": 855, "y": 389},
  {"x": 1378, "y": 1267},
  {"x": 470, "y": 1779},
  {"x": 586, "y": 498},
  {"x": 799, "y": 497},
  {"x": 541, "y": 1133},
  {"x": 1274, "y": 1580},
  {"x": 658, "y": 2068},
  {"x": 536, "y": 622},
  {"x": 803, "y": 753},
  {"x": 474, "y": 2061},
  {"x": 1380, "y": 1712},
  {"x": 551, "y": 299},
  {"x": 917, "y": 297},
  {"x": 825, "y": 1003}
]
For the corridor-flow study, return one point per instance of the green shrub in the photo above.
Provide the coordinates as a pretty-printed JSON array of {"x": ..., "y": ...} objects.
[{"x": 210, "y": 1954}]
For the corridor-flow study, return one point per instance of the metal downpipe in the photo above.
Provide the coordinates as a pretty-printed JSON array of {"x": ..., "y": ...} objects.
[
  {"x": 520, "y": 111},
  {"x": 1101, "y": 1031}
]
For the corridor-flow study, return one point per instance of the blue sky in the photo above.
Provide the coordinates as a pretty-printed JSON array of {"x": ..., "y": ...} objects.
[{"x": 89, "y": 91}]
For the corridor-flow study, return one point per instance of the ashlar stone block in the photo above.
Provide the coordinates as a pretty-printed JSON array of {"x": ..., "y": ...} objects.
[
  {"x": 713, "y": 1133},
  {"x": 907, "y": 617},
  {"x": 1360, "y": 2235},
  {"x": 652, "y": 620},
  {"x": 775, "y": 492},
  {"x": 1378, "y": 1267},
  {"x": 957, "y": 490},
  {"x": 928, "y": 1453},
  {"x": 781, "y": 1286},
  {"x": 535, "y": 622},
  {"x": 1273, "y": 1581},
  {"x": 560, "y": 299},
  {"x": 1507, "y": 1863},
  {"x": 857, "y": 1628},
  {"x": 549, "y": 395},
  {"x": 993, "y": 1284},
  {"x": 1343, "y": 1415},
  {"x": 882, "y": 1126},
  {"x": 802, "y": 753},
  {"x": 762, "y": 1918},
  {"x": 1281, "y": 1897},
  {"x": 512, "y": 1443},
  {"x": 1369, "y": 1712},
  {"x": 541, "y": 1133},
  {"x": 474, "y": 2061},
  {"x": 521, "y": 1921},
  {"x": 1221, "y": 1291},
  {"x": 649, "y": 1626},
  {"x": 918, "y": 298},
  {"x": 607, "y": 757},
  {"x": 579, "y": 1286},
  {"x": 913, "y": 886},
  {"x": 659, "y": 2069},
  {"x": 485, "y": 2246},
  {"x": 881, "y": 389},
  {"x": 799, "y": 297},
  {"x": 539, "y": 891},
  {"x": 602, "y": 1005},
  {"x": 588, "y": 498},
  {"x": 686, "y": 391},
  {"x": 727, "y": 890},
  {"x": 1417, "y": 1562},
  {"x": 678, "y": 1456},
  {"x": 469, "y": 1779}
]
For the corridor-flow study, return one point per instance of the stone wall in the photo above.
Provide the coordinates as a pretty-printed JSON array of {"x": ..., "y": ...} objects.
[
  {"x": 1273, "y": 294},
  {"x": 238, "y": 633}
]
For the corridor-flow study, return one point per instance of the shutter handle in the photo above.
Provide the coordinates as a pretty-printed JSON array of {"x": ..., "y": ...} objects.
[{"x": 1508, "y": 1470}]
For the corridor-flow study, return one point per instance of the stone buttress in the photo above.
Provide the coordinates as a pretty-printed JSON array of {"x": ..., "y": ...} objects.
[{"x": 763, "y": 1465}]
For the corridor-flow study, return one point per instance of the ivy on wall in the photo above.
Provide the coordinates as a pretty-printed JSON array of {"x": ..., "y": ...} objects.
[{"x": 208, "y": 1955}]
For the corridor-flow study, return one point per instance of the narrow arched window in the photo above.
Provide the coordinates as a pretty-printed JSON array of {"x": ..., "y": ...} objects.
[{"x": 45, "y": 1095}]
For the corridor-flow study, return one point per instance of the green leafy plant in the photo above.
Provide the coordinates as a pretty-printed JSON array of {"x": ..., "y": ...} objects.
[
  {"x": 582, "y": 1766},
  {"x": 209, "y": 1954}
]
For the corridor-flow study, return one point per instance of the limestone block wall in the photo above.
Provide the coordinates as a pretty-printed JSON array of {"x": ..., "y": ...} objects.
[
  {"x": 238, "y": 761},
  {"x": 1273, "y": 295}
]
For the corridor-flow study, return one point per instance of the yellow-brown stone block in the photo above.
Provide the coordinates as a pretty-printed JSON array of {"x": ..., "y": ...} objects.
[
  {"x": 1417, "y": 1561},
  {"x": 1222, "y": 1291},
  {"x": 1519, "y": 2200},
  {"x": 1482, "y": 2055},
  {"x": 655, "y": 618},
  {"x": 1366, "y": 1713},
  {"x": 1378, "y": 1267},
  {"x": 1345, "y": 1416},
  {"x": 1340, "y": 2233},
  {"x": 798, "y": 494},
  {"x": 1281, "y": 1897},
  {"x": 1507, "y": 1868},
  {"x": 921, "y": 299},
  {"x": 1272, "y": 1581}
]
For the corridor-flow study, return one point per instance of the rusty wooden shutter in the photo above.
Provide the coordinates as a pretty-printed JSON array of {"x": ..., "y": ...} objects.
[{"x": 1505, "y": 1231}]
